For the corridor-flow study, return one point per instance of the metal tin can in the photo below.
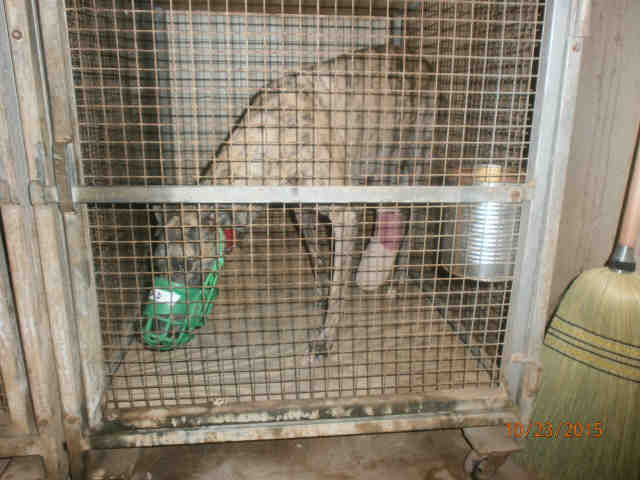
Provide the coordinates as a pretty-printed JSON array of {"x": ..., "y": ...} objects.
[{"x": 480, "y": 240}]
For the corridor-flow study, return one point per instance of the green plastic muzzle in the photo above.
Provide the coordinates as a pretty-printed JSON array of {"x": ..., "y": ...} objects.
[{"x": 175, "y": 312}]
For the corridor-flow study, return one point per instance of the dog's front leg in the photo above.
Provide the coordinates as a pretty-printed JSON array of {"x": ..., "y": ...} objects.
[{"x": 344, "y": 226}]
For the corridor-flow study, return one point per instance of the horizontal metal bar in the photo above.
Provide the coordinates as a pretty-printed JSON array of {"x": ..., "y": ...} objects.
[
  {"x": 300, "y": 429},
  {"x": 454, "y": 402},
  {"x": 285, "y": 194}
]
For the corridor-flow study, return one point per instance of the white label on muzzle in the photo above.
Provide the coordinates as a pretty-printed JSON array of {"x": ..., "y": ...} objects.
[{"x": 163, "y": 296}]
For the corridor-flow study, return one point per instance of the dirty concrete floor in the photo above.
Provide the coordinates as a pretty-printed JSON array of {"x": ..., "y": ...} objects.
[{"x": 433, "y": 455}]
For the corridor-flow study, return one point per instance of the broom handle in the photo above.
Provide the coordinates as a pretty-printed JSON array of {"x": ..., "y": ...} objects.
[{"x": 631, "y": 219}]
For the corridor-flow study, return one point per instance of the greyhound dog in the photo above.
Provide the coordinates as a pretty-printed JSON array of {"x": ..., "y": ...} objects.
[{"x": 346, "y": 121}]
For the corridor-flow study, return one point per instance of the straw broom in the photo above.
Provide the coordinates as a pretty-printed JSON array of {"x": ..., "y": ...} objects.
[{"x": 589, "y": 402}]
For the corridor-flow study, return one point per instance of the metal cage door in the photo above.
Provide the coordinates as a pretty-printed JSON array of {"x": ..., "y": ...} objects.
[{"x": 159, "y": 90}]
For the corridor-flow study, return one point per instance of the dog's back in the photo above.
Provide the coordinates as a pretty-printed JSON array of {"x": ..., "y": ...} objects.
[{"x": 352, "y": 120}]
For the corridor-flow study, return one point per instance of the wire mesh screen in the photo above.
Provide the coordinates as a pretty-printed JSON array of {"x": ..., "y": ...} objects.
[
  {"x": 365, "y": 92},
  {"x": 313, "y": 300},
  {"x": 485, "y": 55},
  {"x": 291, "y": 320}
]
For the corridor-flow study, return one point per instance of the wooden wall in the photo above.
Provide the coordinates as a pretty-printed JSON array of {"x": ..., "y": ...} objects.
[{"x": 607, "y": 118}]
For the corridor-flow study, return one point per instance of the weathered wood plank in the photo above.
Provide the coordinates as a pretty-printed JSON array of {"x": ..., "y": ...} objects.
[{"x": 607, "y": 119}]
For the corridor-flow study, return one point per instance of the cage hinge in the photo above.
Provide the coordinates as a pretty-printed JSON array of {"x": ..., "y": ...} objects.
[
  {"x": 40, "y": 194},
  {"x": 59, "y": 191},
  {"x": 532, "y": 374},
  {"x": 581, "y": 21}
]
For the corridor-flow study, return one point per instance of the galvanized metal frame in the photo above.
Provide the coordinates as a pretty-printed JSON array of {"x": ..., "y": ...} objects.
[
  {"x": 541, "y": 198},
  {"x": 337, "y": 195},
  {"x": 14, "y": 373},
  {"x": 86, "y": 316},
  {"x": 308, "y": 418},
  {"x": 35, "y": 249},
  {"x": 567, "y": 25},
  {"x": 478, "y": 406},
  {"x": 86, "y": 322},
  {"x": 11, "y": 354}
]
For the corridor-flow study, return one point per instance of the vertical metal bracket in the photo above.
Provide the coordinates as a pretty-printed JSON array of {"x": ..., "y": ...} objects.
[
  {"x": 581, "y": 23},
  {"x": 40, "y": 191},
  {"x": 532, "y": 374},
  {"x": 66, "y": 176},
  {"x": 60, "y": 192}
]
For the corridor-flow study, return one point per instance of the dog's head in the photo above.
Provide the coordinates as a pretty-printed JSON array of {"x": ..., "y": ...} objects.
[{"x": 188, "y": 242}]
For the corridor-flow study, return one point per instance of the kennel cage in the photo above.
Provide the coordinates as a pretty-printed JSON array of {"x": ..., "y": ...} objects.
[
  {"x": 30, "y": 403},
  {"x": 291, "y": 131}
]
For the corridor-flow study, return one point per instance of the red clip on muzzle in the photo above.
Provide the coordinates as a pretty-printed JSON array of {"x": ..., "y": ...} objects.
[{"x": 230, "y": 238}]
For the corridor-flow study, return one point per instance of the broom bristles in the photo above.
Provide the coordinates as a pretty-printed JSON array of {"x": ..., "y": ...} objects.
[{"x": 590, "y": 394}]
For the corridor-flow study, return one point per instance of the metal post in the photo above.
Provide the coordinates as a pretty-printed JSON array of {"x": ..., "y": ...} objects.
[
  {"x": 33, "y": 237},
  {"x": 565, "y": 27}
]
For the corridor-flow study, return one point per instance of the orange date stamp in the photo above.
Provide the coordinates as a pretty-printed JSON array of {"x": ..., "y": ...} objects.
[{"x": 557, "y": 430}]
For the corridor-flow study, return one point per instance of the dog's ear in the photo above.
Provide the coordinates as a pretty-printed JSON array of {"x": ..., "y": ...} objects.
[
  {"x": 156, "y": 211},
  {"x": 208, "y": 219}
]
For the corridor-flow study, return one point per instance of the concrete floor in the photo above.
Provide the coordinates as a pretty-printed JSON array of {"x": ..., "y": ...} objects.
[{"x": 434, "y": 455}]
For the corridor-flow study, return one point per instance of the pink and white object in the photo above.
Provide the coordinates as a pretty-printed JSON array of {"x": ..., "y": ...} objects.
[{"x": 379, "y": 258}]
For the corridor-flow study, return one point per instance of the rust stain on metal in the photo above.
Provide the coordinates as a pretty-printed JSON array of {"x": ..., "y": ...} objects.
[
  {"x": 534, "y": 378},
  {"x": 171, "y": 436},
  {"x": 457, "y": 402}
]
